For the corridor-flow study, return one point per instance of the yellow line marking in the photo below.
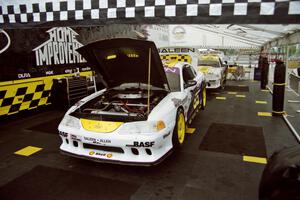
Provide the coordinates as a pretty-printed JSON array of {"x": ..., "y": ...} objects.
[
  {"x": 240, "y": 96},
  {"x": 190, "y": 130},
  {"x": 261, "y": 102},
  {"x": 232, "y": 92},
  {"x": 242, "y": 85},
  {"x": 254, "y": 81},
  {"x": 215, "y": 92},
  {"x": 28, "y": 151},
  {"x": 221, "y": 98},
  {"x": 264, "y": 90},
  {"x": 264, "y": 114},
  {"x": 254, "y": 159}
]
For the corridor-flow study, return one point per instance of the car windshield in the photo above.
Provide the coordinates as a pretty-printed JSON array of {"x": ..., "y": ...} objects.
[
  {"x": 212, "y": 63},
  {"x": 173, "y": 78}
]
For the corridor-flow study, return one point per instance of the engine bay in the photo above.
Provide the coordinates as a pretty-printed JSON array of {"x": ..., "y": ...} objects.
[{"x": 126, "y": 103}]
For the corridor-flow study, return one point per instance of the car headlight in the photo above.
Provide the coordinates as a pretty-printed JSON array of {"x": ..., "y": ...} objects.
[
  {"x": 142, "y": 127},
  {"x": 70, "y": 121}
]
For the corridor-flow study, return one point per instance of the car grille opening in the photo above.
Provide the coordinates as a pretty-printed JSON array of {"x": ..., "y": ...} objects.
[
  {"x": 149, "y": 152},
  {"x": 75, "y": 143},
  {"x": 135, "y": 151},
  {"x": 103, "y": 148}
]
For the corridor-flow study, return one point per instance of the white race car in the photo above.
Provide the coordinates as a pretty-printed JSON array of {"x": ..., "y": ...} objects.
[
  {"x": 214, "y": 71},
  {"x": 141, "y": 116}
]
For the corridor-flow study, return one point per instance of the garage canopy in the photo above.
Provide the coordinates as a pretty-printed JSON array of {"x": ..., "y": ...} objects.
[
  {"x": 229, "y": 36},
  {"x": 36, "y": 13}
]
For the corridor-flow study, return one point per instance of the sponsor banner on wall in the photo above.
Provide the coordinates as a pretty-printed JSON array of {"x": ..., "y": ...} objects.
[{"x": 40, "y": 52}]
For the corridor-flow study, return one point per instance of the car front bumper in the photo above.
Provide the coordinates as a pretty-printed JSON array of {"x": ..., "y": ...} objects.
[
  {"x": 128, "y": 149},
  {"x": 213, "y": 83}
]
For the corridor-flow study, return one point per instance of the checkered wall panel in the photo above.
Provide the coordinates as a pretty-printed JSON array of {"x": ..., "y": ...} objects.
[
  {"x": 34, "y": 12},
  {"x": 177, "y": 58},
  {"x": 27, "y": 94}
]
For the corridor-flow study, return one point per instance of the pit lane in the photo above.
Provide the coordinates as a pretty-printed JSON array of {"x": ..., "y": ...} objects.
[{"x": 211, "y": 165}]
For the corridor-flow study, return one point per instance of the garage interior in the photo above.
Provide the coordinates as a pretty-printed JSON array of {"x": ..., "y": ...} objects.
[{"x": 228, "y": 144}]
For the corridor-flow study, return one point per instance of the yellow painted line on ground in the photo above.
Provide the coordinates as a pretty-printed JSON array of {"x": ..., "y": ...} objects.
[
  {"x": 190, "y": 130},
  {"x": 261, "y": 102},
  {"x": 242, "y": 85},
  {"x": 254, "y": 159},
  {"x": 264, "y": 90},
  {"x": 240, "y": 96},
  {"x": 28, "y": 151},
  {"x": 221, "y": 98},
  {"x": 254, "y": 81},
  {"x": 264, "y": 114},
  {"x": 215, "y": 92},
  {"x": 232, "y": 92}
]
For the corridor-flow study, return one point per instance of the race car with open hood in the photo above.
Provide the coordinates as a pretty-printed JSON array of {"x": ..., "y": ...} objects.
[{"x": 141, "y": 115}]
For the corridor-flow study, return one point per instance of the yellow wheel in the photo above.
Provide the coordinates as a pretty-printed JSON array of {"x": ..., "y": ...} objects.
[
  {"x": 203, "y": 98},
  {"x": 179, "y": 130}
]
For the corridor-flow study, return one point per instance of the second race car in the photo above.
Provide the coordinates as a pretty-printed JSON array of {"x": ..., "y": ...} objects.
[{"x": 213, "y": 69}]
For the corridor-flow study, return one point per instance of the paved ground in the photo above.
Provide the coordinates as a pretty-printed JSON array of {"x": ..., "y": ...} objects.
[{"x": 188, "y": 174}]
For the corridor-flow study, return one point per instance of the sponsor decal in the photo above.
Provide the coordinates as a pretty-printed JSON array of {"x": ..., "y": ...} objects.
[
  {"x": 76, "y": 138},
  {"x": 109, "y": 155},
  {"x": 176, "y": 50},
  {"x": 174, "y": 70},
  {"x": 63, "y": 134},
  {"x": 68, "y": 71},
  {"x": 49, "y": 73},
  {"x": 59, "y": 49},
  {"x": 141, "y": 144},
  {"x": 8, "y": 41},
  {"x": 97, "y": 141},
  {"x": 86, "y": 69},
  {"x": 166, "y": 135},
  {"x": 91, "y": 153},
  {"x": 178, "y": 32},
  {"x": 178, "y": 102},
  {"x": 24, "y": 75},
  {"x": 100, "y": 154}
]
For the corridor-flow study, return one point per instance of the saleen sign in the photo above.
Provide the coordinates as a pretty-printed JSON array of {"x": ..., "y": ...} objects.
[
  {"x": 176, "y": 50},
  {"x": 59, "y": 49}
]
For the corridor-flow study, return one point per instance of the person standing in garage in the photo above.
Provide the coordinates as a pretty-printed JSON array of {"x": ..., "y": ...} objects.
[{"x": 263, "y": 64}]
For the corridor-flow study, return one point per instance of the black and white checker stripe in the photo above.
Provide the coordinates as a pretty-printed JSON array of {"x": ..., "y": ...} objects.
[{"x": 25, "y": 12}]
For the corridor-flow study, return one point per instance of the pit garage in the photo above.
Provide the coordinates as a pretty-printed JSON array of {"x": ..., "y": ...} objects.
[{"x": 114, "y": 100}]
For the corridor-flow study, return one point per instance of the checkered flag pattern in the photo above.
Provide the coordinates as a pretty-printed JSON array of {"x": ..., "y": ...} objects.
[
  {"x": 16, "y": 98},
  {"x": 177, "y": 58},
  {"x": 24, "y": 12}
]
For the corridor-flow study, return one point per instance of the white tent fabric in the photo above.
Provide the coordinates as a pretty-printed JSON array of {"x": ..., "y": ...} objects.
[{"x": 227, "y": 36}]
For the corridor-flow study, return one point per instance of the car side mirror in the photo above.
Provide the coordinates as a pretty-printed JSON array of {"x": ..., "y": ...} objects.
[{"x": 190, "y": 83}]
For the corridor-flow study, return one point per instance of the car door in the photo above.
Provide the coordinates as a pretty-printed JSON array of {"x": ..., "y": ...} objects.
[{"x": 191, "y": 91}]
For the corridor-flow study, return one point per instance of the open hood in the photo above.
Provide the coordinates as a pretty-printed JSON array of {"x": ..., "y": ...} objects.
[{"x": 126, "y": 60}]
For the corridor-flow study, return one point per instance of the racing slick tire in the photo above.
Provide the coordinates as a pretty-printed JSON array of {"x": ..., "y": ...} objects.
[
  {"x": 203, "y": 94},
  {"x": 178, "y": 136}
]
